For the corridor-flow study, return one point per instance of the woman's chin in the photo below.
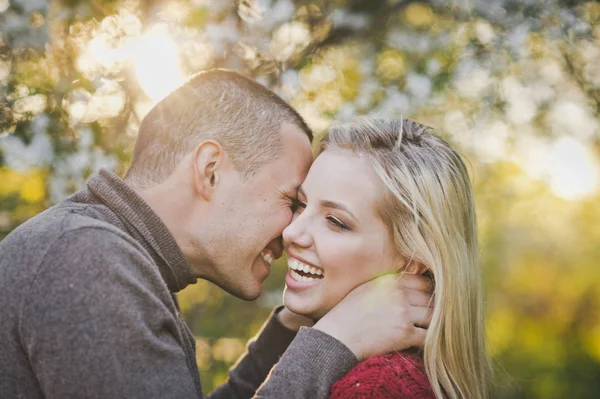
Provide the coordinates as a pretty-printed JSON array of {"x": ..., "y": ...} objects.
[
  {"x": 298, "y": 308},
  {"x": 303, "y": 306}
]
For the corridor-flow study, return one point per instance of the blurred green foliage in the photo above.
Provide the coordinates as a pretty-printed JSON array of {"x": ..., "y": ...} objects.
[{"x": 514, "y": 85}]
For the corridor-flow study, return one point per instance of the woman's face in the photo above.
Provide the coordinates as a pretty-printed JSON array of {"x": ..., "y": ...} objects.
[{"x": 336, "y": 240}]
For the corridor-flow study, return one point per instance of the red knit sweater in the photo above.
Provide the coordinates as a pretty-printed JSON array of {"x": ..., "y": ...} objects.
[{"x": 391, "y": 376}]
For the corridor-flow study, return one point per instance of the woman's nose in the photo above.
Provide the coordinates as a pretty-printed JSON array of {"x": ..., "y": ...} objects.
[{"x": 296, "y": 233}]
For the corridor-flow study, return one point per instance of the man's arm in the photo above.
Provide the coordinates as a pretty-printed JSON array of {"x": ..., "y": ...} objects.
[
  {"x": 311, "y": 364},
  {"x": 381, "y": 316},
  {"x": 262, "y": 353},
  {"x": 98, "y": 322}
]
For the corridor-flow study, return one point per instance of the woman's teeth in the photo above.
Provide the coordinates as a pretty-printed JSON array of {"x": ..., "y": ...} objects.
[
  {"x": 267, "y": 257},
  {"x": 298, "y": 267}
]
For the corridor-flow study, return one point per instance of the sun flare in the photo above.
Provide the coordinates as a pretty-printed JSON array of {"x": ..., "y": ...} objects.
[{"x": 156, "y": 63}]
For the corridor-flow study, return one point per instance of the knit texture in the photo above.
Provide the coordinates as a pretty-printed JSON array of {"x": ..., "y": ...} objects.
[
  {"x": 312, "y": 362},
  {"x": 391, "y": 376},
  {"x": 88, "y": 311}
]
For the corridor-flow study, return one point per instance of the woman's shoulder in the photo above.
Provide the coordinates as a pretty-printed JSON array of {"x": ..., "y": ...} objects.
[{"x": 395, "y": 375}]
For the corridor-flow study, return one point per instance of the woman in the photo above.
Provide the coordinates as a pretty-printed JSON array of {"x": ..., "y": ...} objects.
[{"x": 390, "y": 196}]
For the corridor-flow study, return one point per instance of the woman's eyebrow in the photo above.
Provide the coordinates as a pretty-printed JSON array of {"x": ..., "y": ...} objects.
[{"x": 337, "y": 205}]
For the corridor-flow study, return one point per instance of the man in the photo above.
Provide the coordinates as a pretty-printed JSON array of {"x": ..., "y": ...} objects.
[{"x": 86, "y": 287}]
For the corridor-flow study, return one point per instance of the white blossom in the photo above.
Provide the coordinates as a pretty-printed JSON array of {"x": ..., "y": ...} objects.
[
  {"x": 516, "y": 39},
  {"x": 316, "y": 76},
  {"x": 39, "y": 124},
  {"x": 290, "y": 84},
  {"x": 5, "y": 68},
  {"x": 278, "y": 13},
  {"x": 101, "y": 160},
  {"x": 20, "y": 156},
  {"x": 289, "y": 39},
  {"x": 366, "y": 92},
  {"x": 418, "y": 85},
  {"x": 490, "y": 142},
  {"x": 4, "y": 4},
  {"x": 567, "y": 117},
  {"x": 470, "y": 80},
  {"x": 223, "y": 34},
  {"x": 86, "y": 138},
  {"x": 433, "y": 66},
  {"x": 57, "y": 187},
  {"x": 32, "y": 5},
  {"x": 346, "y": 113},
  {"x": 411, "y": 42},
  {"x": 29, "y": 105},
  {"x": 395, "y": 104},
  {"x": 367, "y": 66},
  {"x": 521, "y": 108},
  {"x": 343, "y": 18},
  {"x": 485, "y": 32}
]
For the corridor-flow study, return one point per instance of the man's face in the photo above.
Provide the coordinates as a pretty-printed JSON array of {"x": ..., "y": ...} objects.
[{"x": 252, "y": 214}]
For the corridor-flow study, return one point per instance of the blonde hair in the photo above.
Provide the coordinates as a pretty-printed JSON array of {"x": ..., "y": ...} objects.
[{"x": 429, "y": 208}]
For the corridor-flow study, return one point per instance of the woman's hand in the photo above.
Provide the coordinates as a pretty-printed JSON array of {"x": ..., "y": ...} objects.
[{"x": 390, "y": 313}]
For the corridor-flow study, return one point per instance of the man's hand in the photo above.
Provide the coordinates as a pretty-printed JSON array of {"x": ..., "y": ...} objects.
[
  {"x": 390, "y": 313},
  {"x": 293, "y": 321}
]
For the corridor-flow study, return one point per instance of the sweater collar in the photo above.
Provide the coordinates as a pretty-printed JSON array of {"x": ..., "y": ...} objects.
[{"x": 152, "y": 233}]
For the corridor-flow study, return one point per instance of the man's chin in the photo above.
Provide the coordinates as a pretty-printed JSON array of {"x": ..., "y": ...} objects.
[
  {"x": 247, "y": 288},
  {"x": 246, "y": 293},
  {"x": 249, "y": 294}
]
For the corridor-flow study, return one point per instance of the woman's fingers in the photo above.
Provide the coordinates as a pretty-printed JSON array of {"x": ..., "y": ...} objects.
[
  {"x": 419, "y": 298},
  {"x": 416, "y": 282},
  {"x": 421, "y": 316},
  {"x": 417, "y": 339}
]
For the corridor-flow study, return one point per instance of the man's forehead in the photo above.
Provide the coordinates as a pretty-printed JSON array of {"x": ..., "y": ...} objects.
[{"x": 291, "y": 168}]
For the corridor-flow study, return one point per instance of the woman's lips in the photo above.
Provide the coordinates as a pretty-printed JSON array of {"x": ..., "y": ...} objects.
[
  {"x": 302, "y": 275},
  {"x": 296, "y": 285}
]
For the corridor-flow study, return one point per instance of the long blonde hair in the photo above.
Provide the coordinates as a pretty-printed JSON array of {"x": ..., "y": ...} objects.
[{"x": 429, "y": 208}]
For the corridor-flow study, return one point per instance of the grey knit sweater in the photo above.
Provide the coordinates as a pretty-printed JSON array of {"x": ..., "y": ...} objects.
[{"x": 87, "y": 310}]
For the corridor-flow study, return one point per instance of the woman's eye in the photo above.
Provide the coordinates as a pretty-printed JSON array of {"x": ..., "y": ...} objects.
[{"x": 337, "y": 223}]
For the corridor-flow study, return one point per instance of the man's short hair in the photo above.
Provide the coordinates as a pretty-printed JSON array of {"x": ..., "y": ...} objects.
[{"x": 240, "y": 114}]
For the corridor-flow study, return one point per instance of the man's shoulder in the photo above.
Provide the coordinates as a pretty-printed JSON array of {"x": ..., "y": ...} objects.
[
  {"x": 74, "y": 233},
  {"x": 394, "y": 375},
  {"x": 49, "y": 226},
  {"x": 66, "y": 235}
]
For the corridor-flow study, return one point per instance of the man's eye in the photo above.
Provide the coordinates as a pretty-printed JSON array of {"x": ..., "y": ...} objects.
[{"x": 298, "y": 205}]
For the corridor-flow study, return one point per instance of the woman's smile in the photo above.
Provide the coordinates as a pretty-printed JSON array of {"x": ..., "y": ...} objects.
[{"x": 302, "y": 275}]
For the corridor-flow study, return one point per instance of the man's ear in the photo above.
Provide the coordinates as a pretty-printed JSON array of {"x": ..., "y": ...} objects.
[{"x": 207, "y": 164}]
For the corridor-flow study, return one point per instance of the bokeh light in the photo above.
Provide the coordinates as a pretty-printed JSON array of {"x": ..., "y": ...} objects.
[{"x": 156, "y": 63}]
